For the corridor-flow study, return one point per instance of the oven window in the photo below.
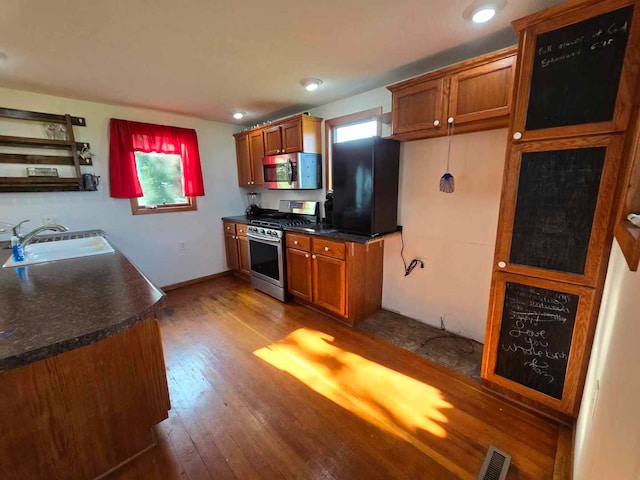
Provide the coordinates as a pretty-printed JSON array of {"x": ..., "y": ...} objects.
[{"x": 264, "y": 259}]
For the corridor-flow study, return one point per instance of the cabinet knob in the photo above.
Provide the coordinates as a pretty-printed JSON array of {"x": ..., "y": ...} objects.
[
  {"x": 295, "y": 242},
  {"x": 326, "y": 249},
  {"x": 517, "y": 136},
  {"x": 228, "y": 228},
  {"x": 313, "y": 256},
  {"x": 502, "y": 264},
  {"x": 306, "y": 255},
  {"x": 450, "y": 120},
  {"x": 436, "y": 123}
]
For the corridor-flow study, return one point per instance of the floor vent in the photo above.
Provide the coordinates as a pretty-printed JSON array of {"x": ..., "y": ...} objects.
[{"x": 495, "y": 466}]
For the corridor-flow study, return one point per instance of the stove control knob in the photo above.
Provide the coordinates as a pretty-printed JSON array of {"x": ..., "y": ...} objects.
[
  {"x": 274, "y": 233},
  {"x": 262, "y": 230}
]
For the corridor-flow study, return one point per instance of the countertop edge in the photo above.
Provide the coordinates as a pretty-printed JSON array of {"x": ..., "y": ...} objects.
[{"x": 31, "y": 356}]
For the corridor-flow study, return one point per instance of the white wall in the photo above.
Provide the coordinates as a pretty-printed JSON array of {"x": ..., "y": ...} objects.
[
  {"x": 455, "y": 234},
  {"x": 150, "y": 241},
  {"x": 608, "y": 430}
]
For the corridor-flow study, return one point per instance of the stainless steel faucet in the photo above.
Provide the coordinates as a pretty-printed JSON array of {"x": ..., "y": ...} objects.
[{"x": 29, "y": 237}]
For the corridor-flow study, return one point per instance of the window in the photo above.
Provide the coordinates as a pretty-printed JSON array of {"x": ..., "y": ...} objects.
[
  {"x": 350, "y": 127},
  {"x": 355, "y": 131},
  {"x": 160, "y": 177},
  {"x": 156, "y": 166}
]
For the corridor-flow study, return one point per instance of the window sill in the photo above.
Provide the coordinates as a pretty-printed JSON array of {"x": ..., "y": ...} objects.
[{"x": 188, "y": 207}]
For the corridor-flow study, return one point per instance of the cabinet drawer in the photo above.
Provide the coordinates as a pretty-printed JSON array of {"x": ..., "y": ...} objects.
[
  {"x": 328, "y": 248},
  {"x": 241, "y": 229},
  {"x": 300, "y": 242},
  {"x": 230, "y": 227}
]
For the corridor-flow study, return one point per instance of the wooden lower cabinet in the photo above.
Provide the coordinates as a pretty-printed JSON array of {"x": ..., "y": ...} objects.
[
  {"x": 231, "y": 246},
  {"x": 299, "y": 276},
  {"x": 84, "y": 412},
  {"x": 244, "y": 265},
  {"x": 329, "y": 283},
  {"x": 237, "y": 247},
  {"x": 340, "y": 278}
]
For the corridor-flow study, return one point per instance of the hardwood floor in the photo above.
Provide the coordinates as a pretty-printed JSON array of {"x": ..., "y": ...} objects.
[{"x": 266, "y": 390}]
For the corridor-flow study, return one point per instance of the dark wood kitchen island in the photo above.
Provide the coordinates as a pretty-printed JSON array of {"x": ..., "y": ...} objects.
[{"x": 82, "y": 373}]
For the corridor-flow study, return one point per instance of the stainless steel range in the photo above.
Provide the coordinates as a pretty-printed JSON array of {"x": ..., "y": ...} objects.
[{"x": 266, "y": 245}]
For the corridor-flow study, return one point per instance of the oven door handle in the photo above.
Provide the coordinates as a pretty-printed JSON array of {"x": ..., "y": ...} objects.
[{"x": 262, "y": 239}]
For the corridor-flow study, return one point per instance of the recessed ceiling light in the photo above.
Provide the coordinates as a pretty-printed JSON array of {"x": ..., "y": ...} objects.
[
  {"x": 481, "y": 11},
  {"x": 483, "y": 14},
  {"x": 238, "y": 115},
  {"x": 311, "y": 84}
]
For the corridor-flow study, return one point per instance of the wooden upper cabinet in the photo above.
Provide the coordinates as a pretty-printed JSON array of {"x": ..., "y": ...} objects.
[
  {"x": 419, "y": 107},
  {"x": 483, "y": 92},
  {"x": 243, "y": 158},
  {"x": 256, "y": 149},
  {"x": 273, "y": 140},
  {"x": 577, "y": 71},
  {"x": 297, "y": 134},
  {"x": 476, "y": 94},
  {"x": 292, "y": 136}
]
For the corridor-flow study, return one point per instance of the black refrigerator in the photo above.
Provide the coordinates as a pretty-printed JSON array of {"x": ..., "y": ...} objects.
[{"x": 365, "y": 185}]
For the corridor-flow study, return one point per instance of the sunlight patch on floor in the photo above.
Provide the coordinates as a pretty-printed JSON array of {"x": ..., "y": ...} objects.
[{"x": 393, "y": 402}]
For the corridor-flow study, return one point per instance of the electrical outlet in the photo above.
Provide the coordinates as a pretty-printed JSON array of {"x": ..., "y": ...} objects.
[
  {"x": 49, "y": 219},
  {"x": 182, "y": 245}
]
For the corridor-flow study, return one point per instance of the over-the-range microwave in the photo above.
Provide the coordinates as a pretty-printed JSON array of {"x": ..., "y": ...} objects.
[{"x": 293, "y": 171}]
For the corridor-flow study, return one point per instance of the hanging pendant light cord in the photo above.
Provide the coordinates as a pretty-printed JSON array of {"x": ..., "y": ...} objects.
[
  {"x": 447, "y": 182},
  {"x": 450, "y": 135}
]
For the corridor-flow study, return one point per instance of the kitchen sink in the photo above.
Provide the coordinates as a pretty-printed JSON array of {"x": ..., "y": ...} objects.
[{"x": 62, "y": 250}]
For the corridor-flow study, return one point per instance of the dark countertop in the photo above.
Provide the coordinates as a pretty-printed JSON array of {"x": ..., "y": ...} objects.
[
  {"x": 238, "y": 219},
  {"x": 323, "y": 231},
  {"x": 50, "y": 308}
]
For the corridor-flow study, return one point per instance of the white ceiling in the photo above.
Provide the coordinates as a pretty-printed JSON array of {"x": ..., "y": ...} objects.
[{"x": 208, "y": 58}]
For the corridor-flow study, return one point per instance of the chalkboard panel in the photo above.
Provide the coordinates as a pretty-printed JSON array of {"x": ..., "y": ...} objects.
[
  {"x": 535, "y": 337},
  {"x": 576, "y": 71},
  {"x": 556, "y": 202}
]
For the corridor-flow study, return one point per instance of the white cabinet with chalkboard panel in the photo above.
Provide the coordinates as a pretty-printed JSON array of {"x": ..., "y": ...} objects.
[
  {"x": 540, "y": 339},
  {"x": 577, "y": 72}
]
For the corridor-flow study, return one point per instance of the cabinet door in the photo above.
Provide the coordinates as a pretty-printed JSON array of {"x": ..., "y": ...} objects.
[
  {"x": 483, "y": 92},
  {"x": 556, "y": 207},
  {"x": 420, "y": 107},
  {"x": 577, "y": 72},
  {"x": 244, "y": 160},
  {"x": 292, "y": 137},
  {"x": 272, "y": 140},
  {"x": 299, "y": 273},
  {"x": 231, "y": 246},
  {"x": 244, "y": 265},
  {"x": 256, "y": 149},
  {"x": 536, "y": 339},
  {"x": 329, "y": 284}
]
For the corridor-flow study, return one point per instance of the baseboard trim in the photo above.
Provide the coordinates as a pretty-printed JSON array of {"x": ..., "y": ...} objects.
[
  {"x": 193, "y": 281},
  {"x": 563, "y": 468}
]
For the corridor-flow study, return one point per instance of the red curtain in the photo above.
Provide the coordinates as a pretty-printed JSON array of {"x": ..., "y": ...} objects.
[{"x": 127, "y": 137}]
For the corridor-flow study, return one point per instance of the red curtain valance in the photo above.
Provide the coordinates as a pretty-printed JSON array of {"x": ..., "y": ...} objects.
[{"x": 127, "y": 137}]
